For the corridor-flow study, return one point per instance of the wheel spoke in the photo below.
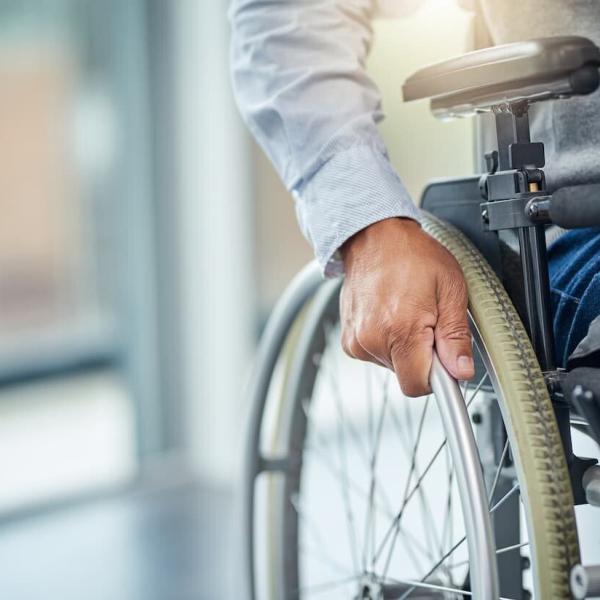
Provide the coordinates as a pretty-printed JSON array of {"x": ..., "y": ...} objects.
[
  {"x": 319, "y": 450},
  {"x": 406, "y": 446},
  {"x": 343, "y": 457},
  {"x": 370, "y": 408},
  {"x": 342, "y": 427},
  {"x": 429, "y": 586},
  {"x": 398, "y": 516},
  {"x": 476, "y": 390},
  {"x": 504, "y": 498},
  {"x": 420, "y": 584},
  {"x": 435, "y": 567},
  {"x": 363, "y": 494},
  {"x": 324, "y": 558},
  {"x": 325, "y": 586},
  {"x": 462, "y": 563},
  {"x": 513, "y": 547},
  {"x": 396, "y": 521},
  {"x": 408, "y": 480},
  {"x": 459, "y": 543},
  {"x": 427, "y": 520},
  {"x": 336, "y": 472},
  {"x": 332, "y": 373},
  {"x": 355, "y": 437},
  {"x": 353, "y": 486},
  {"x": 369, "y": 525},
  {"x": 498, "y": 471},
  {"x": 311, "y": 528}
]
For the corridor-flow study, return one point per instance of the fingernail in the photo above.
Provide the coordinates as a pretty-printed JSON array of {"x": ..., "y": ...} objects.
[{"x": 465, "y": 364}]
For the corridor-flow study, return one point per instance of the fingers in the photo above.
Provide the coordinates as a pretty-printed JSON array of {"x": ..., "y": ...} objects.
[
  {"x": 411, "y": 359},
  {"x": 452, "y": 334},
  {"x": 404, "y": 341},
  {"x": 409, "y": 356},
  {"x": 350, "y": 344},
  {"x": 354, "y": 349}
]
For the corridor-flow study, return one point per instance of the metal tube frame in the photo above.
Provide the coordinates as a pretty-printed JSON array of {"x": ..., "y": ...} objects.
[
  {"x": 461, "y": 441},
  {"x": 515, "y": 181},
  {"x": 536, "y": 288}
]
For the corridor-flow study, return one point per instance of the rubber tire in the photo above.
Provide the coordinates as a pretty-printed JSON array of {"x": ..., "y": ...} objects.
[{"x": 528, "y": 416}]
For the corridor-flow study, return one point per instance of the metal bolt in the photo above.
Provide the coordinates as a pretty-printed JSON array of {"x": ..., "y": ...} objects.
[
  {"x": 579, "y": 582},
  {"x": 477, "y": 418},
  {"x": 485, "y": 216}
]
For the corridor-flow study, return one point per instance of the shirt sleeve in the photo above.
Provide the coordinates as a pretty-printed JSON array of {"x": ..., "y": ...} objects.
[{"x": 299, "y": 75}]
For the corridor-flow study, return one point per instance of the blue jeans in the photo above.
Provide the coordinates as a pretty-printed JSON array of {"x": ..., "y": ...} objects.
[{"x": 574, "y": 264}]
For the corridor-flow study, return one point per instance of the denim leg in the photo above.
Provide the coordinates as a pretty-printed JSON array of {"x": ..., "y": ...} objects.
[{"x": 574, "y": 265}]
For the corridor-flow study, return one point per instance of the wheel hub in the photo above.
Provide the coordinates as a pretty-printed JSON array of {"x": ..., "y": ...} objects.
[{"x": 369, "y": 589}]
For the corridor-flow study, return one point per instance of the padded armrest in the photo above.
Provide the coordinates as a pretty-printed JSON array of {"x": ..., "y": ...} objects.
[{"x": 554, "y": 67}]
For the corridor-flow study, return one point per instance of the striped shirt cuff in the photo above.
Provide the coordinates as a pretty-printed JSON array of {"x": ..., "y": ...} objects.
[{"x": 354, "y": 189}]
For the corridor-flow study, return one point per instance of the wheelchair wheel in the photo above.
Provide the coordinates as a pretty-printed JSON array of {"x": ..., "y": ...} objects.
[{"x": 368, "y": 494}]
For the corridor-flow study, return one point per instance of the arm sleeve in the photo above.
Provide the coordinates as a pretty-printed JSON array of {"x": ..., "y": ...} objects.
[{"x": 300, "y": 82}]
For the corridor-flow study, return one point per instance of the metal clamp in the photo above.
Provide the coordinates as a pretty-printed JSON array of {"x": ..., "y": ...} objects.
[
  {"x": 525, "y": 210},
  {"x": 591, "y": 485}
]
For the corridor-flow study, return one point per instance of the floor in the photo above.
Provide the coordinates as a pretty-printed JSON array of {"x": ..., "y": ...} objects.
[
  {"x": 68, "y": 435},
  {"x": 155, "y": 545}
]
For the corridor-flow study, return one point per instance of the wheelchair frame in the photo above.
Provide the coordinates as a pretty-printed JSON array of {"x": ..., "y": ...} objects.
[{"x": 504, "y": 213}]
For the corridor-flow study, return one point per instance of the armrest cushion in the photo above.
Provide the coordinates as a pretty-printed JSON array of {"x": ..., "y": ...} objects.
[{"x": 533, "y": 70}]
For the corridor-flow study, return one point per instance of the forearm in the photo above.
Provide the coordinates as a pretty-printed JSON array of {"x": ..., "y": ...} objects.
[{"x": 298, "y": 70}]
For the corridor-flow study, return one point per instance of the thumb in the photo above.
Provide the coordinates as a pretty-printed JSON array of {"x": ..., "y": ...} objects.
[
  {"x": 452, "y": 334},
  {"x": 412, "y": 362}
]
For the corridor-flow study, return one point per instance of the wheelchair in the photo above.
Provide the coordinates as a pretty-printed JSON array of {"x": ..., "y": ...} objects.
[{"x": 352, "y": 490}]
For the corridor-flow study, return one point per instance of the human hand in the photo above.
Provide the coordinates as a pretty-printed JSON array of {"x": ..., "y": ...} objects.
[{"x": 403, "y": 294}]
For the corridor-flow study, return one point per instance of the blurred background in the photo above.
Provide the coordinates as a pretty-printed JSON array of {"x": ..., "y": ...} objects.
[{"x": 143, "y": 241}]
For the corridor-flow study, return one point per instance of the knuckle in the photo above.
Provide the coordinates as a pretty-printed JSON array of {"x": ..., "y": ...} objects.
[
  {"x": 370, "y": 338},
  {"x": 457, "y": 331},
  {"x": 348, "y": 343},
  {"x": 405, "y": 338},
  {"x": 400, "y": 342},
  {"x": 454, "y": 286}
]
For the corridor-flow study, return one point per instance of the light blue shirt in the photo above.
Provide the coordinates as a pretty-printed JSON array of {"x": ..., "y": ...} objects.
[{"x": 300, "y": 81}]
